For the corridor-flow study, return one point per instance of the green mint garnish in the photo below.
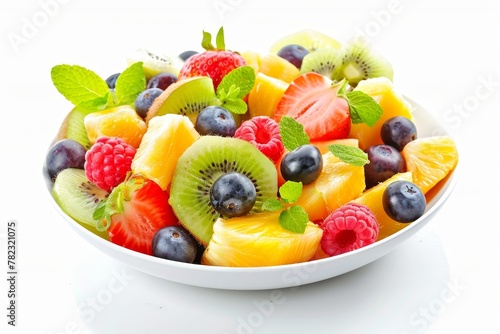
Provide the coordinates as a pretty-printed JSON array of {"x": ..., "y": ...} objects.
[
  {"x": 234, "y": 87},
  {"x": 362, "y": 107},
  {"x": 81, "y": 86},
  {"x": 272, "y": 204},
  {"x": 292, "y": 133},
  {"x": 292, "y": 218},
  {"x": 349, "y": 154},
  {"x": 85, "y": 89},
  {"x": 290, "y": 191},
  {"x": 130, "y": 84}
]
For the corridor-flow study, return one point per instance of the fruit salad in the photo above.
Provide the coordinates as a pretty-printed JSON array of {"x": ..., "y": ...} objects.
[{"x": 241, "y": 159}]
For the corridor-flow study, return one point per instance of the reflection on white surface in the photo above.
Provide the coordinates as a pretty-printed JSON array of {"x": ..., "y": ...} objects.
[{"x": 387, "y": 294}]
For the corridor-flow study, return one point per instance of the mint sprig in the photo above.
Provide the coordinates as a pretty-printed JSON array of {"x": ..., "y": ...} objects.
[
  {"x": 362, "y": 107},
  {"x": 349, "y": 154},
  {"x": 292, "y": 133},
  {"x": 87, "y": 90},
  {"x": 292, "y": 217},
  {"x": 80, "y": 86},
  {"x": 130, "y": 84},
  {"x": 234, "y": 87}
]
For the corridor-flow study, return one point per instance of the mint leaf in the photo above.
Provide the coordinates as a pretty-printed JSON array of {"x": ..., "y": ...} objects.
[
  {"x": 242, "y": 77},
  {"x": 292, "y": 133},
  {"x": 234, "y": 87},
  {"x": 130, "y": 84},
  {"x": 80, "y": 86},
  {"x": 294, "y": 219},
  {"x": 272, "y": 204},
  {"x": 363, "y": 108},
  {"x": 290, "y": 191},
  {"x": 237, "y": 106},
  {"x": 349, "y": 154}
]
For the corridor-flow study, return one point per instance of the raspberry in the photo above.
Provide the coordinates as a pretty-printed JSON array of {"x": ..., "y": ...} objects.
[
  {"x": 108, "y": 161},
  {"x": 264, "y": 133},
  {"x": 350, "y": 227}
]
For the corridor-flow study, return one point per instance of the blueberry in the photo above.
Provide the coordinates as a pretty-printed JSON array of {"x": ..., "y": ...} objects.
[
  {"x": 145, "y": 99},
  {"x": 398, "y": 131},
  {"x": 186, "y": 54},
  {"x": 403, "y": 201},
  {"x": 162, "y": 80},
  {"x": 385, "y": 161},
  {"x": 111, "y": 80},
  {"x": 66, "y": 153},
  {"x": 175, "y": 243},
  {"x": 304, "y": 164},
  {"x": 294, "y": 53},
  {"x": 214, "y": 120},
  {"x": 233, "y": 195}
]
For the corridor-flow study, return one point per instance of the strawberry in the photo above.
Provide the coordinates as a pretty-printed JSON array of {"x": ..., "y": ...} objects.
[
  {"x": 313, "y": 100},
  {"x": 215, "y": 62},
  {"x": 134, "y": 211}
]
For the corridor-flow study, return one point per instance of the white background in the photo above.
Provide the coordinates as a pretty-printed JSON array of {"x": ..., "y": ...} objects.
[{"x": 445, "y": 279}]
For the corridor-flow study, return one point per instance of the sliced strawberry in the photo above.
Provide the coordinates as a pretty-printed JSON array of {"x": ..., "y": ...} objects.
[
  {"x": 134, "y": 211},
  {"x": 215, "y": 62},
  {"x": 313, "y": 101}
]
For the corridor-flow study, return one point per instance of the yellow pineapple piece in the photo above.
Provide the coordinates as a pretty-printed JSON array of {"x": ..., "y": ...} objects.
[
  {"x": 265, "y": 95},
  {"x": 274, "y": 66},
  {"x": 392, "y": 103},
  {"x": 167, "y": 137},
  {"x": 253, "y": 59},
  {"x": 120, "y": 121},
  {"x": 372, "y": 198},
  {"x": 338, "y": 183},
  {"x": 258, "y": 240}
]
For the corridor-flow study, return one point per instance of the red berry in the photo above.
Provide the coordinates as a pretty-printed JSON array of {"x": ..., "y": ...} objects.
[
  {"x": 264, "y": 133},
  {"x": 213, "y": 64},
  {"x": 350, "y": 227},
  {"x": 108, "y": 162},
  {"x": 138, "y": 208},
  {"x": 313, "y": 100}
]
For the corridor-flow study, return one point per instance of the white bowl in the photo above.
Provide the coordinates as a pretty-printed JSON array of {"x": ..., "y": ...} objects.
[{"x": 283, "y": 276}]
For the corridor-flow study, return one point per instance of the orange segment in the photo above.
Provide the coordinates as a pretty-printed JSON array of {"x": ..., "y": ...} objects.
[
  {"x": 372, "y": 198},
  {"x": 120, "y": 121},
  {"x": 392, "y": 103},
  {"x": 277, "y": 67},
  {"x": 259, "y": 240},
  {"x": 338, "y": 183},
  {"x": 168, "y": 136},
  {"x": 430, "y": 159},
  {"x": 265, "y": 95}
]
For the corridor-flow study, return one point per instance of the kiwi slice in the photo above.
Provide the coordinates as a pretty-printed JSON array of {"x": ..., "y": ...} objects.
[
  {"x": 155, "y": 63},
  {"x": 359, "y": 61},
  {"x": 201, "y": 165},
  {"x": 73, "y": 127},
  {"x": 78, "y": 197},
  {"x": 185, "y": 97},
  {"x": 323, "y": 61},
  {"x": 310, "y": 39}
]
